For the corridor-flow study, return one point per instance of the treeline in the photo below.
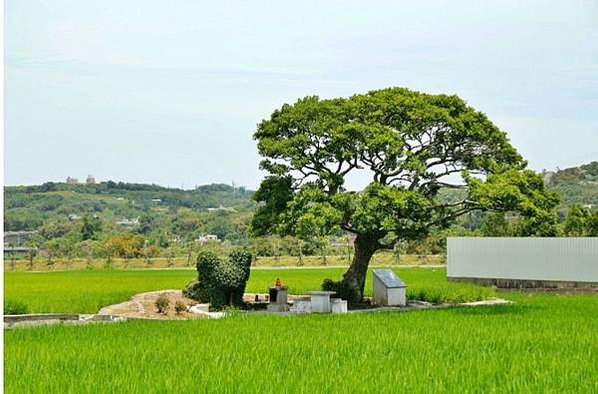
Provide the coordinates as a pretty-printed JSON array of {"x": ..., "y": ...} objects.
[
  {"x": 127, "y": 220},
  {"x": 30, "y": 207}
]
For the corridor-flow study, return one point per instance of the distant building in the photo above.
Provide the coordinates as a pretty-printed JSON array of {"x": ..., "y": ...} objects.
[
  {"x": 16, "y": 238},
  {"x": 12, "y": 252},
  {"x": 72, "y": 181},
  {"x": 221, "y": 208},
  {"x": 207, "y": 238},
  {"x": 90, "y": 180},
  {"x": 157, "y": 200},
  {"x": 73, "y": 216},
  {"x": 128, "y": 222}
]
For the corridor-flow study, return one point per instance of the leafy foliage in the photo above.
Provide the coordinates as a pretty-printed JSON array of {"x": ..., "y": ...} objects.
[
  {"x": 162, "y": 303},
  {"x": 15, "y": 307},
  {"x": 179, "y": 307},
  {"x": 412, "y": 144},
  {"x": 220, "y": 282},
  {"x": 581, "y": 222}
]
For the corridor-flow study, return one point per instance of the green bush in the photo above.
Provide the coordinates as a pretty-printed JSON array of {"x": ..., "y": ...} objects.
[
  {"x": 341, "y": 290},
  {"x": 15, "y": 307},
  {"x": 162, "y": 303},
  {"x": 220, "y": 282},
  {"x": 180, "y": 307}
]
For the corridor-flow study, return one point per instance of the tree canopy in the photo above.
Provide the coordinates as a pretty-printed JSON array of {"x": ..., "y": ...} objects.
[{"x": 411, "y": 144}]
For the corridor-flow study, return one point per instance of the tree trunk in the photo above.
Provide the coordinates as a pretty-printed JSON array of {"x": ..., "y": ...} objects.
[
  {"x": 189, "y": 257},
  {"x": 354, "y": 278},
  {"x": 300, "y": 249}
]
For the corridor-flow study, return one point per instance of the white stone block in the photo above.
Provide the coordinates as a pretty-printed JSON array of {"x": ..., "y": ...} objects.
[
  {"x": 397, "y": 297},
  {"x": 302, "y": 306},
  {"x": 320, "y": 301},
  {"x": 389, "y": 289},
  {"x": 338, "y": 306}
]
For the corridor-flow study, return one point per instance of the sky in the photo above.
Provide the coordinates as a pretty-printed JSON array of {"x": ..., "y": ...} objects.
[{"x": 171, "y": 92}]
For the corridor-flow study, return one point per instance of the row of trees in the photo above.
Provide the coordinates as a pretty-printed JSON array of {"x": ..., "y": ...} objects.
[{"x": 88, "y": 241}]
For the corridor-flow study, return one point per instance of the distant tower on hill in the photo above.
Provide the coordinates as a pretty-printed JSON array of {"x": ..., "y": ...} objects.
[{"x": 90, "y": 180}]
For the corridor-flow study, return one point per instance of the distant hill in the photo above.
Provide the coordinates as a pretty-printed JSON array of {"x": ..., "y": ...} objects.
[
  {"x": 181, "y": 213},
  {"x": 577, "y": 185},
  {"x": 57, "y": 209}
]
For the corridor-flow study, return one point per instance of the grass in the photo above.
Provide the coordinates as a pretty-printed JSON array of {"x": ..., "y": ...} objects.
[
  {"x": 86, "y": 291},
  {"x": 542, "y": 343}
]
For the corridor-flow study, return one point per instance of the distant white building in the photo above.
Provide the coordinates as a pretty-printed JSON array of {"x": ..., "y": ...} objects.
[
  {"x": 221, "y": 208},
  {"x": 72, "y": 181},
  {"x": 90, "y": 180},
  {"x": 17, "y": 237},
  {"x": 157, "y": 200},
  {"x": 207, "y": 238},
  {"x": 73, "y": 216},
  {"x": 128, "y": 222}
]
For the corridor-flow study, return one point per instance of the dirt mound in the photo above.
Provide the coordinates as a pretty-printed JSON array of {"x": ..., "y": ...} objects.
[{"x": 143, "y": 306}]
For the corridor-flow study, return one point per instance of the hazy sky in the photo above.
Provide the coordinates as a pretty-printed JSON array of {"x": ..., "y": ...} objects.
[{"x": 169, "y": 92}]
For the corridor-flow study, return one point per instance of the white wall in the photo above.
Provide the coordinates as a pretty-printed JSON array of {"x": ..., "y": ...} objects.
[{"x": 558, "y": 259}]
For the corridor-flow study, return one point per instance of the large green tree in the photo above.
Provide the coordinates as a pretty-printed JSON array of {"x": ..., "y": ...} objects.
[{"x": 410, "y": 145}]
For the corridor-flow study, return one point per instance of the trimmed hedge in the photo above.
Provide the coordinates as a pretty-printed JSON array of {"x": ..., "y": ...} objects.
[{"x": 220, "y": 282}]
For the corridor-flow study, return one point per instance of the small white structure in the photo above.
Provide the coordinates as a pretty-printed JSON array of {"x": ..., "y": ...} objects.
[
  {"x": 128, "y": 222},
  {"x": 320, "y": 301},
  {"x": 302, "y": 305},
  {"x": 389, "y": 289},
  {"x": 207, "y": 238},
  {"x": 221, "y": 208},
  {"x": 338, "y": 305}
]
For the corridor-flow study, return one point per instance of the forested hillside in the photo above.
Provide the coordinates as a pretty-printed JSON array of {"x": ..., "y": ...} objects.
[
  {"x": 160, "y": 214},
  {"x": 577, "y": 185}
]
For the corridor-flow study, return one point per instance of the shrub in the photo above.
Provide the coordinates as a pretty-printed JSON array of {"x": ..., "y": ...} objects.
[
  {"x": 192, "y": 290},
  {"x": 220, "y": 282},
  {"x": 180, "y": 307},
  {"x": 15, "y": 307},
  {"x": 162, "y": 303},
  {"x": 341, "y": 290}
]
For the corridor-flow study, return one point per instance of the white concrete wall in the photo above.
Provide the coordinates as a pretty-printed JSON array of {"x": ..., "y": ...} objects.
[{"x": 556, "y": 259}]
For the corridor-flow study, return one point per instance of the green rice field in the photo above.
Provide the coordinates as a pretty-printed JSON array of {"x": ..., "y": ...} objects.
[
  {"x": 541, "y": 343},
  {"x": 86, "y": 291}
]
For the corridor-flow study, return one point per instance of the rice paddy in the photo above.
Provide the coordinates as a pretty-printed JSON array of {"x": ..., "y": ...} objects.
[
  {"x": 86, "y": 291},
  {"x": 541, "y": 343}
]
